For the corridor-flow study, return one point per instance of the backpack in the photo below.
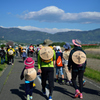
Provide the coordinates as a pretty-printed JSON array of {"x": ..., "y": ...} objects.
[
  {"x": 79, "y": 58},
  {"x": 30, "y": 74},
  {"x": 10, "y": 52},
  {"x": 59, "y": 61}
]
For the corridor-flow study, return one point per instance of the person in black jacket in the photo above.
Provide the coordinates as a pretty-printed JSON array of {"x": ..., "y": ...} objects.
[
  {"x": 76, "y": 70},
  {"x": 2, "y": 55}
]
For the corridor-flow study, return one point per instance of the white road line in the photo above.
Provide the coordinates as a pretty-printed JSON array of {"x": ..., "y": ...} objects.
[
  {"x": 93, "y": 84},
  {"x": 47, "y": 91}
]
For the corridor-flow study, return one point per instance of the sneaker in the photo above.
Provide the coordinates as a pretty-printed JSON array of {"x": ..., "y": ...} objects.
[
  {"x": 67, "y": 83},
  {"x": 70, "y": 83},
  {"x": 31, "y": 97},
  {"x": 84, "y": 81},
  {"x": 9, "y": 63},
  {"x": 77, "y": 93},
  {"x": 44, "y": 93},
  {"x": 81, "y": 96},
  {"x": 28, "y": 97},
  {"x": 57, "y": 80},
  {"x": 63, "y": 82},
  {"x": 50, "y": 98}
]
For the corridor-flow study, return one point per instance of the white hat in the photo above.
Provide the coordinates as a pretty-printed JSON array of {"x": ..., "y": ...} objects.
[{"x": 58, "y": 48}]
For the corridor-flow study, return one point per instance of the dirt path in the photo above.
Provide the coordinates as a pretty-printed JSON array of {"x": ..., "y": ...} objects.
[{"x": 93, "y": 63}]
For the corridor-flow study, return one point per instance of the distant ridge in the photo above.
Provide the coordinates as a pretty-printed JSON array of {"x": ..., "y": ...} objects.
[{"x": 23, "y": 36}]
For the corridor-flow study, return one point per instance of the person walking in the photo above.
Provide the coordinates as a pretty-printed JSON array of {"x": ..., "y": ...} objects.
[
  {"x": 11, "y": 53},
  {"x": 24, "y": 55},
  {"x": 46, "y": 64},
  {"x": 59, "y": 65},
  {"x": 16, "y": 51},
  {"x": 30, "y": 51},
  {"x": 29, "y": 73},
  {"x": 77, "y": 59},
  {"x": 20, "y": 50},
  {"x": 65, "y": 62},
  {"x": 2, "y": 55}
]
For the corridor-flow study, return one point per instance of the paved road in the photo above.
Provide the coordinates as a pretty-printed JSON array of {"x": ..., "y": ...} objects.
[{"x": 13, "y": 89}]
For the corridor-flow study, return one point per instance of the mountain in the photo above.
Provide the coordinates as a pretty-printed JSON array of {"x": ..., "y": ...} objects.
[{"x": 34, "y": 37}]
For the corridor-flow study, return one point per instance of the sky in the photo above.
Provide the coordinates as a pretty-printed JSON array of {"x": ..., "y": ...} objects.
[{"x": 50, "y": 15}]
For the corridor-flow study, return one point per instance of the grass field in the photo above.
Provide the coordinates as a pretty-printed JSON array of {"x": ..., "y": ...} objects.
[
  {"x": 3, "y": 66},
  {"x": 93, "y": 74}
]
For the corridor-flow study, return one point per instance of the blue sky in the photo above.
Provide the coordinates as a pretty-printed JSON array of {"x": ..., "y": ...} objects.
[{"x": 50, "y": 15}]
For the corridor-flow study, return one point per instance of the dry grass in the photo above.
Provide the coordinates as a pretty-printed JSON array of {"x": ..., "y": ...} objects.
[{"x": 93, "y": 51}]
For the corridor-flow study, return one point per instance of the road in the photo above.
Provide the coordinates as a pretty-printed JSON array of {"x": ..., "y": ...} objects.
[{"x": 12, "y": 88}]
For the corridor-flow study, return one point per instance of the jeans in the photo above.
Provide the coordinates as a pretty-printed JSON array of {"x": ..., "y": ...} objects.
[
  {"x": 2, "y": 59},
  {"x": 59, "y": 69}
]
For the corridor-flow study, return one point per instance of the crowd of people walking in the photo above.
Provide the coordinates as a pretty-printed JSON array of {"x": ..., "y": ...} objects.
[{"x": 50, "y": 58}]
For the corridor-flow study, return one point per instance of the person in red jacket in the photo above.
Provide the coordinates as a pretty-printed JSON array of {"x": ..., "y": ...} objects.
[{"x": 30, "y": 51}]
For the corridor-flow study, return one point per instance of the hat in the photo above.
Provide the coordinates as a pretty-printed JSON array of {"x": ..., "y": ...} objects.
[
  {"x": 66, "y": 55},
  {"x": 46, "y": 53},
  {"x": 30, "y": 74},
  {"x": 58, "y": 48},
  {"x": 79, "y": 57},
  {"x": 47, "y": 42},
  {"x": 54, "y": 47},
  {"x": 24, "y": 50},
  {"x": 67, "y": 46},
  {"x": 29, "y": 62},
  {"x": 16, "y": 48},
  {"x": 40, "y": 46},
  {"x": 76, "y": 42},
  {"x": 10, "y": 46}
]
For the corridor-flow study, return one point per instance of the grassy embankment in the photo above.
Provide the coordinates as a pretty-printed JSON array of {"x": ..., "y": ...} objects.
[
  {"x": 91, "y": 73},
  {"x": 3, "y": 66}
]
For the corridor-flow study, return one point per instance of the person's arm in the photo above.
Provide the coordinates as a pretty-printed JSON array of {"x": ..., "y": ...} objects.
[
  {"x": 70, "y": 61},
  {"x": 39, "y": 63},
  {"x": 22, "y": 74},
  {"x": 54, "y": 59}
]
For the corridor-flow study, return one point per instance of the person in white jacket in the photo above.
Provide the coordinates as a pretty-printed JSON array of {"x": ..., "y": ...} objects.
[{"x": 65, "y": 62}]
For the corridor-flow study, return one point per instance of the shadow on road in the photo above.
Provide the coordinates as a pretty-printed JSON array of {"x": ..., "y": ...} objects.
[
  {"x": 20, "y": 61},
  {"x": 91, "y": 91},
  {"x": 64, "y": 91},
  {"x": 21, "y": 92}
]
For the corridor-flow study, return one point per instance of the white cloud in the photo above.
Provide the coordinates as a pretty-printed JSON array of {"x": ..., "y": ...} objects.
[
  {"x": 48, "y": 30},
  {"x": 54, "y": 14},
  {"x": 53, "y": 30}
]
